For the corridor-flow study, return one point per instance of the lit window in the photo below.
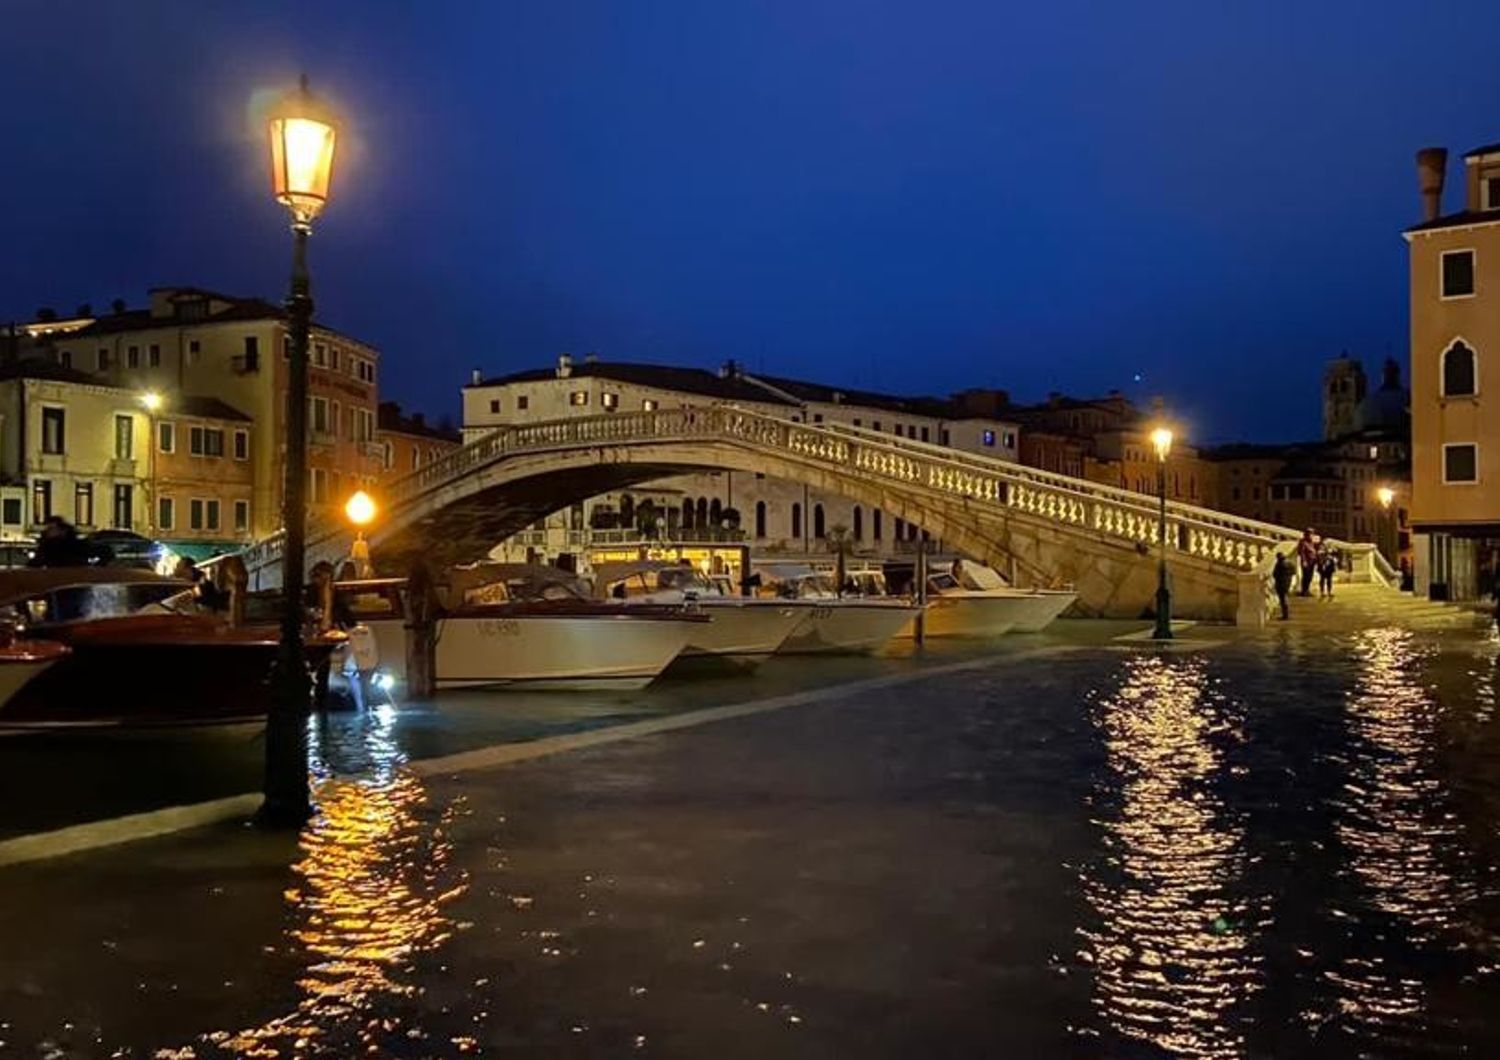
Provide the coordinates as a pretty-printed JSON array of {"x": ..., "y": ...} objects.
[
  {"x": 578, "y": 397},
  {"x": 610, "y": 401},
  {"x": 1461, "y": 462},
  {"x": 989, "y": 438},
  {"x": 649, "y": 404},
  {"x": 1458, "y": 273}
]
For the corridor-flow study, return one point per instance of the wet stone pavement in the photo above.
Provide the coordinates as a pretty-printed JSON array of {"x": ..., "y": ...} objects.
[{"x": 1283, "y": 846}]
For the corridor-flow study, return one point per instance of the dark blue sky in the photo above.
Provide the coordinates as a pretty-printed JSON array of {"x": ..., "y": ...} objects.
[{"x": 916, "y": 197}]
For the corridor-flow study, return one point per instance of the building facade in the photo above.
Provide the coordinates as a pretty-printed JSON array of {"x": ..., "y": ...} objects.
[
  {"x": 191, "y": 344},
  {"x": 90, "y": 452},
  {"x": 408, "y": 442},
  {"x": 1455, "y": 340}
]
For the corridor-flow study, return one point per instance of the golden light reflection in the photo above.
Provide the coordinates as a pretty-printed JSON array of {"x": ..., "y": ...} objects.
[
  {"x": 1172, "y": 948},
  {"x": 1398, "y": 834},
  {"x": 368, "y": 898}
]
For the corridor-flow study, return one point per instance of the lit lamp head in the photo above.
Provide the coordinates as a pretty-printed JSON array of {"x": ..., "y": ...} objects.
[
  {"x": 1161, "y": 441},
  {"x": 360, "y": 509},
  {"x": 1385, "y": 495},
  {"x": 302, "y": 130},
  {"x": 151, "y": 401}
]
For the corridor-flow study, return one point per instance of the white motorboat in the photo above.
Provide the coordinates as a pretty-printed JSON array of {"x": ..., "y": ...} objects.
[
  {"x": 832, "y": 623},
  {"x": 742, "y": 630},
  {"x": 515, "y": 625},
  {"x": 971, "y": 600}
]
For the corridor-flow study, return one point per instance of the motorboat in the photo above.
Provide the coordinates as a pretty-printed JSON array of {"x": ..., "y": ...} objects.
[
  {"x": 135, "y": 650},
  {"x": 524, "y": 626},
  {"x": 833, "y": 622},
  {"x": 21, "y": 662},
  {"x": 968, "y": 599},
  {"x": 742, "y": 630}
]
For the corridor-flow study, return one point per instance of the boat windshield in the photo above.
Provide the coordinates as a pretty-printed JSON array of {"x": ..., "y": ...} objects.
[
  {"x": 79, "y": 603},
  {"x": 941, "y": 583},
  {"x": 525, "y": 590}
]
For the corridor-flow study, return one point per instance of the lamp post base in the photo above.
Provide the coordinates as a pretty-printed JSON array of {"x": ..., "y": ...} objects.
[{"x": 1163, "y": 629}]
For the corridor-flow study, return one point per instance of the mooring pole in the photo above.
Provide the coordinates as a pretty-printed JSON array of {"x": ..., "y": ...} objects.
[
  {"x": 920, "y": 626},
  {"x": 421, "y": 632}
]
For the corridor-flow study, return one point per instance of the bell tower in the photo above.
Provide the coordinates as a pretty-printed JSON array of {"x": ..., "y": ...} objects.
[{"x": 1343, "y": 389}]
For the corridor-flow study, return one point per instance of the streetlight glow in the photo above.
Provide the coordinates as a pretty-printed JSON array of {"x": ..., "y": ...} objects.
[
  {"x": 302, "y": 131},
  {"x": 1385, "y": 495},
  {"x": 151, "y": 401},
  {"x": 360, "y": 508},
  {"x": 1161, "y": 440}
]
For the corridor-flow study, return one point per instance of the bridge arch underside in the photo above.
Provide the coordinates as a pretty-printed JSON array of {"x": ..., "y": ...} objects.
[{"x": 460, "y": 522}]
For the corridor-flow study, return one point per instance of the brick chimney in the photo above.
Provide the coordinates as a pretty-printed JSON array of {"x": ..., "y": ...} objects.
[
  {"x": 1432, "y": 168},
  {"x": 564, "y": 365}
]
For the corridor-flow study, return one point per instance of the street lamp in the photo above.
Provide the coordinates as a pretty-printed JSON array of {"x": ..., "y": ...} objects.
[
  {"x": 360, "y": 510},
  {"x": 302, "y": 132},
  {"x": 1387, "y": 496},
  {"x": 1161, "y": 441},
  {"x": 152, "y": 402}
]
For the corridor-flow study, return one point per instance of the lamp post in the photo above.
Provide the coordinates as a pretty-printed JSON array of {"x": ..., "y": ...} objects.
[
  {"x": 151, "y": 401},
  {"x": 360, "y": 510},
  {"x": 302, "y": 133},
  {"x": 1387, "y": 496},
  {"x": 1161, "y": 441}
]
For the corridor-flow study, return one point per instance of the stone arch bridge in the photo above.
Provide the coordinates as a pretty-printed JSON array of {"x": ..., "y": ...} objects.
[{"x": 1044, "y": 528}]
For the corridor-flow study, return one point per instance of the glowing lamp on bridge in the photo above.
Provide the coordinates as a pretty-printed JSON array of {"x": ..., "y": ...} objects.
[
  {"x": 1161, "y": 441},
  {"x": 303, "y": 132},
  {"x": 360, "y": 508},
  {"x": 1385, "y": 495}
]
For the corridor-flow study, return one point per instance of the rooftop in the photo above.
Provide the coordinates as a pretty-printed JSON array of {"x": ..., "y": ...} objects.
[
  {"x": 390, "y": 418},
  {"x": 1458, "y": 220},
  {"x": 666, "y": 377}
]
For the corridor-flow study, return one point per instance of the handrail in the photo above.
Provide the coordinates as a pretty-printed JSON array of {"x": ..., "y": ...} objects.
[{"x": 1231, "y": 541}]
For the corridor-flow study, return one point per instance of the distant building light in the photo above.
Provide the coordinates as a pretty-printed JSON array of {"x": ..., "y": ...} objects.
[{"x": 989, "y": 438}]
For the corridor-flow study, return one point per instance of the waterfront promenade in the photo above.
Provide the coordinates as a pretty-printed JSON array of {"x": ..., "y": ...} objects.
[{"x": 1283, "y": 845}]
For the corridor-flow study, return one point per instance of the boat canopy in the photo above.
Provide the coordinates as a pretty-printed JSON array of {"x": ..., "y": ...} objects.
[
  {"x": 491, "y": 583},
  {"x": 27, "y": 583}
]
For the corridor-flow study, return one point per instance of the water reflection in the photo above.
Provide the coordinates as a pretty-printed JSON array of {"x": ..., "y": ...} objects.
[
  {"x": 369, "y": 896},
  {"x": 1171, "y": 948},
  {"x": 1399, "y": 835}
]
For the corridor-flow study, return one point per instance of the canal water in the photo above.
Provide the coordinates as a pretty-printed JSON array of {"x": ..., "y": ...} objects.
[{"x": 1282, "y": 845}]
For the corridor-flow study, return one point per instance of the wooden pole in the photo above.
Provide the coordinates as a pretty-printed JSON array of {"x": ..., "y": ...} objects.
[
  {"x": 919, "y": 627},
  {"x": 421, "y": 632}
]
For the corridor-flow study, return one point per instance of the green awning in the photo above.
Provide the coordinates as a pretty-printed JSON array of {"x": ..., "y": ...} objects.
[{"x": 198, "y": 551}]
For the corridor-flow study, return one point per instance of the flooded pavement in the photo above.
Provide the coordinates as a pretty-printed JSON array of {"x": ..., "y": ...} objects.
[{"x": 1288, "y": 845}]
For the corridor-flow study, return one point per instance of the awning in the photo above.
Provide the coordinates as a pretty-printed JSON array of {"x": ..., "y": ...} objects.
[{"x": 198, "y": 551}]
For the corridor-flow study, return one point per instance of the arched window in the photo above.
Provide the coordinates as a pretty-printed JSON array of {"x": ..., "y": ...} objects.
[
  {"x": 875, "y": 520},
  {"x": 859, "y": 523},
  {"x": 796, "y": 520},
  {"x": 627, "y": 510},
  {"x": 715, "y": 512},
  {"x": 1460, "y": 373},
  {"x": 900, "y": 528},
  {"x": 687, "y": 513},
  {"x": 702, "y": 511},
  {"x": 760, "y": 518},
  {"x": 818, "y": 528}
]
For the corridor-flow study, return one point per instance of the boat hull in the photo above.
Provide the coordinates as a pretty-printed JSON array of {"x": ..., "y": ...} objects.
[
  {"x": 743, "y": 633},
  {"x": 151, "y": 671},
  {"x": 1042, "y": 608},
  {"x": 970, "y": 616},
  {"x": 561, "y": 653},
  {"x": 847, "y": 627}
]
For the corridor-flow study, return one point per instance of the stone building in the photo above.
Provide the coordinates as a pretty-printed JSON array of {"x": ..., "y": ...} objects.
[
  {"x": 78, "y": 447},
  {"x": 408, "y": 442},
  {"x": 189, "y": 343},
  {"x": 1455, "y": 339}
]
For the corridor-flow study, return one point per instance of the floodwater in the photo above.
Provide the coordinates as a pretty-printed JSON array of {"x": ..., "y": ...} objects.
[{"x": 1286, "y": 845}]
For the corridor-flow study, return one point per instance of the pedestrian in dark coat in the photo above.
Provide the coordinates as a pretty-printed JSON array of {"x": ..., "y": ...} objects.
[
  {"x": 1281, "y": 578},
  {"x": 1307, "y": 556}
]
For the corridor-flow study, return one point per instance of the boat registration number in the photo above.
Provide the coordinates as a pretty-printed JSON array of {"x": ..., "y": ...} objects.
[
  {"x": 822, "y": 612},
  {"x": 499, "y": 627}
]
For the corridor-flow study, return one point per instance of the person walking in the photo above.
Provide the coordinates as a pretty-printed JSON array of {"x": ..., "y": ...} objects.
[
  {"x": 1328, "y": 566},
  {"x": 59, "y": 545},
  {"x": 1281, "y": 578},
  {"x": 1307, "y": 557}
]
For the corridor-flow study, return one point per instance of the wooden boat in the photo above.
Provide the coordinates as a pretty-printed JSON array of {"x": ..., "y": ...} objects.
[
  {"x": 137, "y": 651},
  {"x": 833, "y": 623}
]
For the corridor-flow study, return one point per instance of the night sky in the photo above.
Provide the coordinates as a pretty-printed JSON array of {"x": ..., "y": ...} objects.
[{"x": 914, "y": 197}]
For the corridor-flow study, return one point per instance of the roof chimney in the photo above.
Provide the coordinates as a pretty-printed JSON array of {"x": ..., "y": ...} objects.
[
  {"x": 1432, "y": 167},
  {"x": 564, "y": 365},
  {"x": 591, "y": 358},
  {"x": 475, "y": 378},
  {"x": 729, "y": 370}
]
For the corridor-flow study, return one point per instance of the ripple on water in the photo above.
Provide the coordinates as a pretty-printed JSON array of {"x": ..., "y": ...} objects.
[
  {"x": 369, "y": 896},
  {"x": 1171, "y": 940}
]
